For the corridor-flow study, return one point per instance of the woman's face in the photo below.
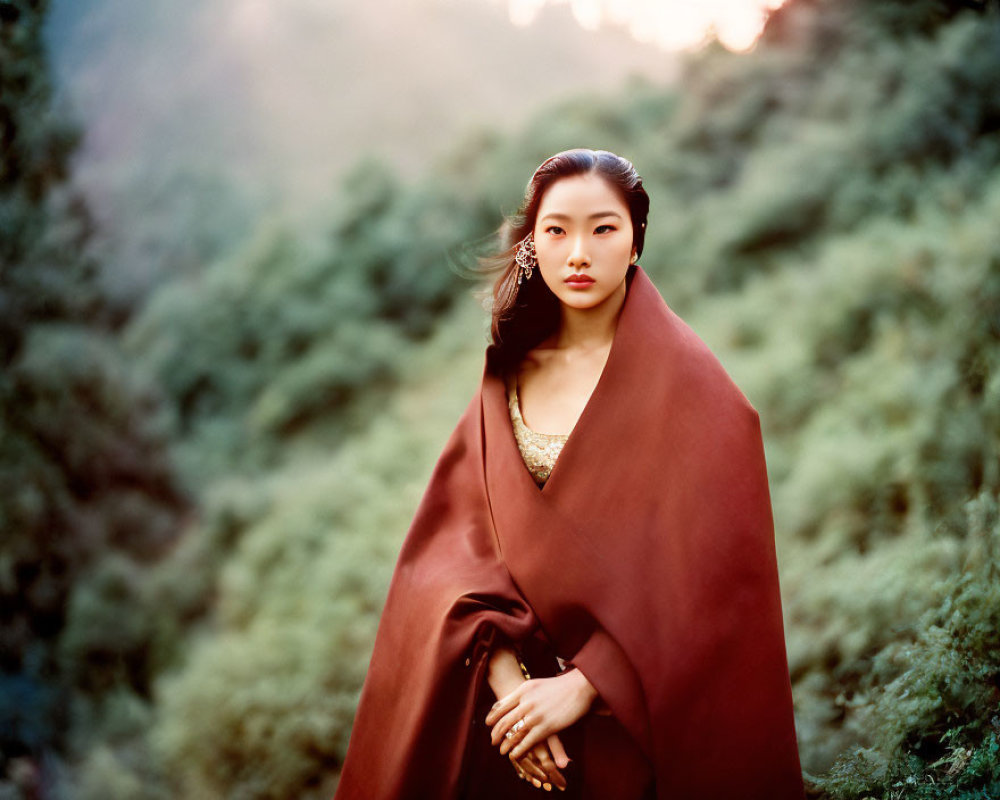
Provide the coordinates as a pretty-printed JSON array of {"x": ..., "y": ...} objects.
[{"x": 583, "y": 229}]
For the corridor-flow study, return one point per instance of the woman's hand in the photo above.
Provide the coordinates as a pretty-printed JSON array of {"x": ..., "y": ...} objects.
[
  {"x": 547, "y": 706},
  {"x": 538, "y": 766}
]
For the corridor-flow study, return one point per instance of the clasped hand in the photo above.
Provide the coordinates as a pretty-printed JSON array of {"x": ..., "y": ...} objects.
[{"x": 547, "y": 706}]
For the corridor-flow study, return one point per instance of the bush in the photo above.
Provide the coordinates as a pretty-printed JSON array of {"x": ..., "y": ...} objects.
[{"x": 931, "y": 702}]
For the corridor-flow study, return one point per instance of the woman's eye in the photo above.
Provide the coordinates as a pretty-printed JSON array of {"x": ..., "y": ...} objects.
[
  {"x": 555, "y": 229},
  {"x": 604, "y": 228}
]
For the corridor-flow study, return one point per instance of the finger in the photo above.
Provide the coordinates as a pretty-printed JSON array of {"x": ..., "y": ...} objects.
[
  {"x": 541, "y": 752},
  {"x": 530, "y": 766},
  {"x": 497, "y": 711},
  {"x": 536, "y": 776},
  {"x": 529, "y": 738},
  {"x": 558, "y": 751},
  {"x": 503, "y": 705},
  {"x": 506, "y": 723},
  {"x": 514, "y": 736}
]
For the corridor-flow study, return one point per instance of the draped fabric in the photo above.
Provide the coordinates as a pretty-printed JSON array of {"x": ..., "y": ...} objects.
[{"x": 646, "y": 560}]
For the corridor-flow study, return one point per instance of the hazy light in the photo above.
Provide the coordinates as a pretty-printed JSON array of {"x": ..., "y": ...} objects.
[
  {"x": 588, "y": 13},
  {"x": 671, "y": 24},
  {"x": 523, "y": 12}
]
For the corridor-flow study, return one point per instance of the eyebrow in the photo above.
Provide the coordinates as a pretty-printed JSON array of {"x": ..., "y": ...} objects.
[{"x": 557, "y": 215}]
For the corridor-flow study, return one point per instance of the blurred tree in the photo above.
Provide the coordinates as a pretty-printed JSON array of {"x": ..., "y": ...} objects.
[
  {"x": 84, "y": 468},
  {"x": 286, "y": 333}
]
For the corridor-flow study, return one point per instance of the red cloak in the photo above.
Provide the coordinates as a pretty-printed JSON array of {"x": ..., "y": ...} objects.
[{"x": 647, "y": 560}]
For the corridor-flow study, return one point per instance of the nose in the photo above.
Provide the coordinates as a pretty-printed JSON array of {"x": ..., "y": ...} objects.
[{"x": 579, "y": 256}]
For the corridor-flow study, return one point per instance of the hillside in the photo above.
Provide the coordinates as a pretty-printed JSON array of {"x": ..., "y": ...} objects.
[{"x": 823, "y": 214}]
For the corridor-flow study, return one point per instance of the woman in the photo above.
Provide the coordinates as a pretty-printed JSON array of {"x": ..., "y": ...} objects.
[{"x": 587, "y": 598}]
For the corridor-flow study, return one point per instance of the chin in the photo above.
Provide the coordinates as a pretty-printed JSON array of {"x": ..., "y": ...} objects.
[{"x": 583, "y": 301}]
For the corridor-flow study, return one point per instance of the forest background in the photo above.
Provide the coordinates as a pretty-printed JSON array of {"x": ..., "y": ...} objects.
[{"x": 231, "y": 358}]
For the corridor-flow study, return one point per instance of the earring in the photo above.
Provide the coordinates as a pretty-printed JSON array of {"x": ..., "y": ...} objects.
[{"x": 525, "y": 258}]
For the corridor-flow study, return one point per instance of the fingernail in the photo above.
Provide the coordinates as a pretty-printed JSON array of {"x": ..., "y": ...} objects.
[{"x": 548, "y": 787}]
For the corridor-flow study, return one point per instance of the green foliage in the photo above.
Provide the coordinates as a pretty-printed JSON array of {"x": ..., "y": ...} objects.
[
  {"x": 931, "y": 702},
  {"x": 41, "y": 223},
  {"x": 83, "y": 463},
  {"x": 284, "y": 333},
  {"x": 804, "y": 149}
]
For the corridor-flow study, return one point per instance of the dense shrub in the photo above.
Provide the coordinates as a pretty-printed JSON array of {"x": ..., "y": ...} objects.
[
  {"x": 286, "y": 333},
  {"x": 931, "y": 699},
  {"x": 84, "y": 467}
]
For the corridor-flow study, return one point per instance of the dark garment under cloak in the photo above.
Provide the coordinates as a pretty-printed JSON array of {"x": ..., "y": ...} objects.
[{"x": 646, "y": 560}]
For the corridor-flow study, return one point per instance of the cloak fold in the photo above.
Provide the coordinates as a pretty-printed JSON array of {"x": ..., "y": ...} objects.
[{"x": 647, "y": 560}]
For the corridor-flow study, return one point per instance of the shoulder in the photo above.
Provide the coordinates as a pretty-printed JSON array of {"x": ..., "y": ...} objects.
[{"x": 687, "y": 365}]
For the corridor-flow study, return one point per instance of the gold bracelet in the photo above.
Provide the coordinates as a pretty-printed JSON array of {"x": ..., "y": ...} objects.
[{"x": 524, "y": 670}]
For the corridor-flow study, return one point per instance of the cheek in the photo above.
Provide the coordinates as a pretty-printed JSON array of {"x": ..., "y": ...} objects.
[
  {"x": 547, "y": 252},
  {"x": 618, "y": 249}
]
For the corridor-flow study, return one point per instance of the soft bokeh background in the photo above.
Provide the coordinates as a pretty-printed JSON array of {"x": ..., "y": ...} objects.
[{"x": 238, "y": 325}]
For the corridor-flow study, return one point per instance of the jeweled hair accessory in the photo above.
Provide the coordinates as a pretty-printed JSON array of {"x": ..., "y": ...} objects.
[{"x": 525, "y": 258}]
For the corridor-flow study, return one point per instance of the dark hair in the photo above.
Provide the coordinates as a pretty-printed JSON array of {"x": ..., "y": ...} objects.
[{"x": 524, "y": 314}]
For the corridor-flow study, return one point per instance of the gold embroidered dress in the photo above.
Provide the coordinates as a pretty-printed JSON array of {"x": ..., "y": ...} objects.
[{"x": 539, "y": 450}]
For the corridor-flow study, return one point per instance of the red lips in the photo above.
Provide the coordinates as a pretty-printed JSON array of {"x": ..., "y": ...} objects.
[{"x": 579, "y": 279}]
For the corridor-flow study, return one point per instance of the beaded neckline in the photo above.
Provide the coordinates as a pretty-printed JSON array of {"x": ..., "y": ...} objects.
[{"x": 539, "y": 451}]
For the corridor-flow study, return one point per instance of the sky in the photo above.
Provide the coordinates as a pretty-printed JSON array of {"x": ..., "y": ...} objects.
[{"x": 670, "y": 24}]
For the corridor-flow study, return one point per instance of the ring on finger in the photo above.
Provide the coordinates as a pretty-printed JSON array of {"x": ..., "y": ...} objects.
[{"x": 515, "y": 728}]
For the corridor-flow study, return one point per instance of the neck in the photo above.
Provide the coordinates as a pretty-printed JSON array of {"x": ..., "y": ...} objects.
[{"x": 590, "y": 328}]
